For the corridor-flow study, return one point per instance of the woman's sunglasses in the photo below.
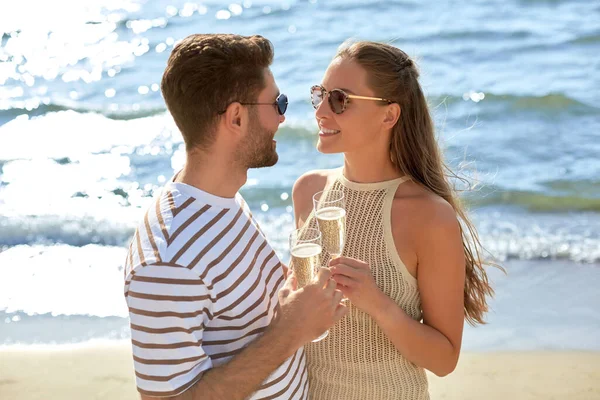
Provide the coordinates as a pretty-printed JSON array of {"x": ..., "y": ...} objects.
[
  {"x": 281, "y": 103},
  {"x": 337, "y": 98}
]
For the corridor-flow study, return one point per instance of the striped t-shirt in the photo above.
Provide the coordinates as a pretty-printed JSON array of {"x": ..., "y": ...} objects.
[{"x": 201, "y": 283}]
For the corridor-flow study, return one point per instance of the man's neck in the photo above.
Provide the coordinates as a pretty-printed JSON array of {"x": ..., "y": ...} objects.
[{"x": 211, "y": 175}]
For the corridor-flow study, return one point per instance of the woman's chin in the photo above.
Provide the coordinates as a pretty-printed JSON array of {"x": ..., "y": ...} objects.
[{"x": 326, "y": 148}]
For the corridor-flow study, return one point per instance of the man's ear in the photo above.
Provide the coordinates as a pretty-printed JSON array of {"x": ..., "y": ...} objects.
[
  {"x": 392, "y": 115},
  {"x": 233, "y": 116}
]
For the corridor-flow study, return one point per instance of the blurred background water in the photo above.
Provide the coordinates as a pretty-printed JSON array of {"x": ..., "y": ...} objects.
[{"x": 85, "y": 142}]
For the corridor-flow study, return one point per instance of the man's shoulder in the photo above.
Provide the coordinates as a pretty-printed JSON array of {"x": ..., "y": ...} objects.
[
  {"x": 171, "y": 202},
  {"x": 175, "y": 227}
]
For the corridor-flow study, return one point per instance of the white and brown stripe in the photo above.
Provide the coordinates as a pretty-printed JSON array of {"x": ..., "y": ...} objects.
[{"x": 201, "y": 283}]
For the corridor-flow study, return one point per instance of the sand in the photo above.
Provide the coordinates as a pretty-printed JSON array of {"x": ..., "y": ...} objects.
[{"x": 105, "y": 371}]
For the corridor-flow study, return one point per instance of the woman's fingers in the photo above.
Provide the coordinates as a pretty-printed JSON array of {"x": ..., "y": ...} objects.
[
  {"x": 337, "y": 296},
  {"x": 323, "y": 276},
  {"x": 340, "y": 311},
  {"x": 343, "y": 269},
  {"x": 351, "y": 262},
  {"x": 344, "y": 280},
  {"x": 330, "y": 287}
]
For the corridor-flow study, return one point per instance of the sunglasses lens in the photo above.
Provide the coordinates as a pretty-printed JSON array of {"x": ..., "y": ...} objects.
[
  {"x": 282, "y": 104},
  {"x": 337, "y": 100},
  {"x": 316, "y": 95}
]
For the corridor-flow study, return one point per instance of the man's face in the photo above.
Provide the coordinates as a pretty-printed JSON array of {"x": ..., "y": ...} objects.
[{"x": 258, "y": 149}]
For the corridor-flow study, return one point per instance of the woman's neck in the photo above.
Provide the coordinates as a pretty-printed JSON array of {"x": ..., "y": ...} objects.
[{"x": 369, "y": 167}]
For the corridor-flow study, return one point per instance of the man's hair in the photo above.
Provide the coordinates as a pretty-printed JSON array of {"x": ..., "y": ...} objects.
[{"x": 205, "y": 73}]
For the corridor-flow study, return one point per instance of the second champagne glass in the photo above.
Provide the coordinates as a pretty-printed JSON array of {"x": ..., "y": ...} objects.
[{"x": 305, "y": 246}]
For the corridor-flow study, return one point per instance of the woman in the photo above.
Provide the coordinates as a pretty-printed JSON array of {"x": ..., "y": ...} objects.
[{"x": 411, "y": 267}]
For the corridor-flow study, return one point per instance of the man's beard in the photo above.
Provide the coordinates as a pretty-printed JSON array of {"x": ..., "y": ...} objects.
[{"x": 257, "y": 150}]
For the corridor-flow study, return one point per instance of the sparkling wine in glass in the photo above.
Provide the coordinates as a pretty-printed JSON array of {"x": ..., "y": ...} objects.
[
  {"x": 330, "y": 211},
  {"x": 305, "y": 247}
]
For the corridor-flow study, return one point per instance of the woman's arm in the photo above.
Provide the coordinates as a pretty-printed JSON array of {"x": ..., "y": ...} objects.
[{"x": 435, "y": 343}]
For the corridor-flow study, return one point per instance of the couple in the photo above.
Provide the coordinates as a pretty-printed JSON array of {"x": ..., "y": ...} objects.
[{"x": 214, "y": 313}]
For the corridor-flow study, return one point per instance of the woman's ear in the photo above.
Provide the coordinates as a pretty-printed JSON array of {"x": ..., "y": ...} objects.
[{"x": 392, "y": 115}]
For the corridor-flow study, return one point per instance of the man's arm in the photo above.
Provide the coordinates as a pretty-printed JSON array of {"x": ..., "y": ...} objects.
[
  {"x": 241, "y": 376},
  {"x": 303, "y": 314}
]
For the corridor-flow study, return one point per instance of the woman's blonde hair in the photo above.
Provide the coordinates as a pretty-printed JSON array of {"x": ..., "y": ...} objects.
[{"x": 415, "y": 152}]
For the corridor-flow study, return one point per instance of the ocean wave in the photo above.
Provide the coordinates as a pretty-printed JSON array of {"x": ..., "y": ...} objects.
[
  {"x": 587, "y": 39},
  {"x": 534, "y": 201},
  {"x": 476, "y": 34},
  {"x": 82, "y": 134},
  {"x": 68, "y": 229},
  {"x": 486, "y": 102},
  {"x": 69, "y": 134},
  {"x": 114, "y": 226},
  {"x": 551, "y": 102},
  {"x": 34, "y": 108},
  {"x": 93, "y": 274},
  {"x": 509, "y": 235},
  {"x": 510, "y": 231},
  {"x": 20, "y": 328}
]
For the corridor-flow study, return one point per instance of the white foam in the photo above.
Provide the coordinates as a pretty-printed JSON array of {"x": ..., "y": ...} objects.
[
  {"x": 510, "y": 235},
  {"x": 77, "y": 136},
  {"x": 76, "y": 222},
  {"x": 331, "y": 213},
  {"x": 63, "y": 280},
  {"x": 57, "y": 15},
  {"x": 306, "y": 250},
  {"x": 73, "y": 178},
  {"x": 104, "y": 344}
]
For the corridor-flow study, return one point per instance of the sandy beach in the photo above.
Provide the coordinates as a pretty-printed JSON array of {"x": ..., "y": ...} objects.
[{"x": 105, "y": 372}]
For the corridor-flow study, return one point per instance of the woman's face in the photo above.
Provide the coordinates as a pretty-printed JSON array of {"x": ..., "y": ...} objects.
[{"x": 361, "y": 123}]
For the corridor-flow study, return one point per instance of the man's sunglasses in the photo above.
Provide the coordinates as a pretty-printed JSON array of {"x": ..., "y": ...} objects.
[
  {"x": 281, "y": 103},
  {"x": 337, "y": 98}
]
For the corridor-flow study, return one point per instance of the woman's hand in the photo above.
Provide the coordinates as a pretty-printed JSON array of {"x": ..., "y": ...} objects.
[{"x": 355, "y": 280}]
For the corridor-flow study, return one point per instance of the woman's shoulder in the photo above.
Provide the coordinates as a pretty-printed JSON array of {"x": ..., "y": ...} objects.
[
  {"x": 307, "y": 185},
  {"x": 313, "y": 181},
  {"x": 423, "y": 207},
  {"x": 422, "y": 221}
]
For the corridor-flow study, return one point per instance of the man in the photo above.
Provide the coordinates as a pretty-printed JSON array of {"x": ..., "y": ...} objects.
[{"x": 212, "y": 314}]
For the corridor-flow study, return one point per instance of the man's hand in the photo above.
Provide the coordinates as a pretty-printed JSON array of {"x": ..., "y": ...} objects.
[{"x": 305, "y": 313}]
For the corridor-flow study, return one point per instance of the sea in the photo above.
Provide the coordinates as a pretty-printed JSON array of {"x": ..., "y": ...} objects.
[{"x": 86, "y": 141}]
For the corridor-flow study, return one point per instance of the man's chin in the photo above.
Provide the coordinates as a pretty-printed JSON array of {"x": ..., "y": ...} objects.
[
  {"x": 266, "y": 162},
  {"x": 272, "y": 161}
]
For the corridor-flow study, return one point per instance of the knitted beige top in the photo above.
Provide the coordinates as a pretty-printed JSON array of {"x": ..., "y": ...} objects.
[{"x": 357, "y": 361}]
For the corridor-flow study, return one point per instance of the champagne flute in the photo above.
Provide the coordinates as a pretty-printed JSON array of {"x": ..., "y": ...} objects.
[
  {"x": 330, "y": 212},
  {"x": 305, "y": 247}
]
